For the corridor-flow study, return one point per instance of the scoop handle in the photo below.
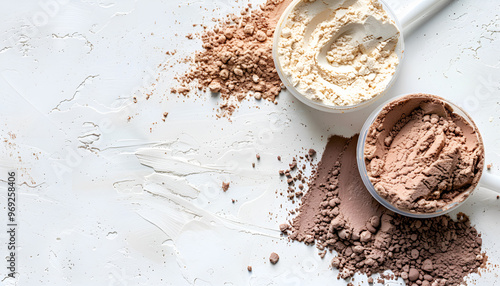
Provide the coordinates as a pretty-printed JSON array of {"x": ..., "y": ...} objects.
[
  {"x": 419, "y": 10},
  {"x": 490, "y": 182}
]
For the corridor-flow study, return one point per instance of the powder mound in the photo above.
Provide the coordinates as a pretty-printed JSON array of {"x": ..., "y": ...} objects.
[
  {"x": 421, "y": 156},
  {"x": 236, "y": 60},
  {"x": 338, "y": 214}
]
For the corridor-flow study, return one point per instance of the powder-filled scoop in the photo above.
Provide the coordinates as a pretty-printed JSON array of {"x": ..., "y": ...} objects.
[
  {"x": 338, "y": 54},
  {"x": 419, "y": 156}
]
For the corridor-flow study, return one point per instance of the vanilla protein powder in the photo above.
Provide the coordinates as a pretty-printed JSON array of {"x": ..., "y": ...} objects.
[{"x": 338, "y": 52}]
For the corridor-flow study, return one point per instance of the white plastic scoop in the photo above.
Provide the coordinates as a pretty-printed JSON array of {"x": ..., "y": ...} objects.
[
  {"x": 418, "y": 11},
  {"x": 405, "y": 22}
]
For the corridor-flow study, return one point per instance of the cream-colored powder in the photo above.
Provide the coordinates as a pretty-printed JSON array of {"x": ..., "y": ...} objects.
[{"x": 339, "y": 52}]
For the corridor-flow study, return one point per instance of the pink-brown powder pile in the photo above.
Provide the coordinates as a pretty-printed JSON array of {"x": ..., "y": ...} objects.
[
  {"x": 236, "y": 60},
  {"x": 338, "y": 213}
]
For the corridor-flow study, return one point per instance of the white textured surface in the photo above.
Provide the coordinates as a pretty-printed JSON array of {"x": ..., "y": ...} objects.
[{"x": 107, "y": 201}]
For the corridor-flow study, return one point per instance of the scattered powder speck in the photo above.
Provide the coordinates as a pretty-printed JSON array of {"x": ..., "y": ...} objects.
[
  {"x": 284, "y": 227},
  {"x": 337, "y": 213},
  {"x": 225, "y": 186}
]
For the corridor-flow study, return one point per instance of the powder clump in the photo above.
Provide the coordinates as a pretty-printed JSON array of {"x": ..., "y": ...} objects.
[
  {"x": 274, "y": 258},
  {"x": 225, "y": 186}
]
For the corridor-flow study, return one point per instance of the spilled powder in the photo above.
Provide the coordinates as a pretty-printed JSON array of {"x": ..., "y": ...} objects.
[
  {"x": 236, "y": 61},
  {"x": 225, "y": 186},
  {"x": 337, "y": 213},
  {"x": 296, "y": 177}
]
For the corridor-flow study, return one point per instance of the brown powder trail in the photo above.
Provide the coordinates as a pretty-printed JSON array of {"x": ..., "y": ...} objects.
[
  {"x": 236, "y": 60},
  {"x": 338, "y": 214},
  {"x": 311, "y": 204}
]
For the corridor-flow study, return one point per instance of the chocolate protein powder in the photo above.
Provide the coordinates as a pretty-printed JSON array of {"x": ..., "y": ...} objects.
[
  {"x": 338, "y": 214},
  {"x": 236, "y": 61},
  {"x": 421, "y": 156}
]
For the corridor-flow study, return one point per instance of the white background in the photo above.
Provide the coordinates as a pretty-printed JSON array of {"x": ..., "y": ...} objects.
[{"x": 104, "y": 200}]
